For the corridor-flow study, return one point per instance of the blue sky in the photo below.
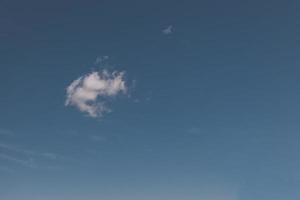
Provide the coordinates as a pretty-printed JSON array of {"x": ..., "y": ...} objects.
[{"x": 189, "y": 100}]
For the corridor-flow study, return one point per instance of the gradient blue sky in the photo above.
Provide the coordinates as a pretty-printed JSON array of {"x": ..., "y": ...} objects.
[{"x": 212, "y": 112}]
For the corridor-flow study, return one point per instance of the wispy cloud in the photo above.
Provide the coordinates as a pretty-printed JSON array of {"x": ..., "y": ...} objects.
[
  {"x": 101, "y": 59},
  {"x": 97, "y": 138},
  {"x": 194, "y": 130},
  {"x": 6, "y": 132},
  {"x": 90, "y": 92},
  {"x": 25, "y": 157},
  {"x": 24, "y": 162},
  {"x": 15, "y": 149},
  {"x": 6, "y": 169},
  {"x": 50, "y": 155},
  {"x": 168, "y": 30},
  {"x": 27, "y": 152}
]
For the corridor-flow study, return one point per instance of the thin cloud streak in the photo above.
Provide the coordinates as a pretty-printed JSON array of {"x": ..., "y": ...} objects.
[
  {"x": 27, "y": 152},
  {"x": 27, "y": 163}
]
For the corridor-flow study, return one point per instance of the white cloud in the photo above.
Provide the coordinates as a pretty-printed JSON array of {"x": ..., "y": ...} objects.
[
  {"x": 168, "y": 30},
  {"x": 88, "y": 93}
]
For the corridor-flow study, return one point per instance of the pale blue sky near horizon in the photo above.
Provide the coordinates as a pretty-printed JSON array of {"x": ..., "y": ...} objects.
[{"x": 211, "y": 112}]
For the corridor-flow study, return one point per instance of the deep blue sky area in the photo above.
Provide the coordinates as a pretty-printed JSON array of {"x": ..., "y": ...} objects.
[{"x": 211, "y": 109}]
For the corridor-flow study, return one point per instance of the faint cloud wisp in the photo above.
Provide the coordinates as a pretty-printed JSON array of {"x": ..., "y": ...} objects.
[
  {"x": 25, "y": 157},
  {"x": 27, "y": 163},
  {"x": 168, "y": 30},
  {"x": 101, "y": 59},
  {"x": 6, "y": 132}
]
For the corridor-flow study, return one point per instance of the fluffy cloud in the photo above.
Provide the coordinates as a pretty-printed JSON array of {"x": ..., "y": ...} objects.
[{"x": 89, "y": 93}]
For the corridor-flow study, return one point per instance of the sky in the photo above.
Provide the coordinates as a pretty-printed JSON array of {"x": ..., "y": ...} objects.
[{"x": 143, "y": 100}]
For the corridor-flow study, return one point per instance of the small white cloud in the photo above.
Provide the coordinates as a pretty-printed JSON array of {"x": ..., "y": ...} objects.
[
  {"x": 168, "y": 30},
  {"x": 88, "y": 93}
]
